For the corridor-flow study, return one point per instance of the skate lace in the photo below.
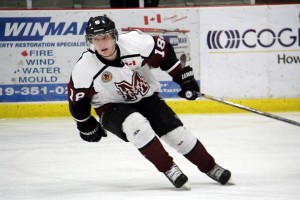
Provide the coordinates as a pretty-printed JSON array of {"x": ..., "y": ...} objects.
[{"x": 173, "y": 173}]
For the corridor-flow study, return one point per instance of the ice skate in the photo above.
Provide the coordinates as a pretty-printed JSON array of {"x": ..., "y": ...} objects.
[
  {"x": 177, "y": 177},
  {"x": 220, "y": 175}
]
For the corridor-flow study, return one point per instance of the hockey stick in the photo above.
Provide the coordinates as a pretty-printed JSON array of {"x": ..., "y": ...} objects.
[{"x": 249, "y": 109}]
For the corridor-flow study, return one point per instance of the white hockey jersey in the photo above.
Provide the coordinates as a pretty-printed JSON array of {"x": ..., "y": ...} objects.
[{"x": 125, "y": 80}]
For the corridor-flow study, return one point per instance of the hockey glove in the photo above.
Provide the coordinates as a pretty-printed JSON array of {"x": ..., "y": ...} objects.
[
  {"x": 188, "y": 84},
  {"x": 91, "y": 130}
]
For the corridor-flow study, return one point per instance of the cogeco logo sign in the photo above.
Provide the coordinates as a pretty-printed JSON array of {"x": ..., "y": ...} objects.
[
  {"x": 252, "y": 38},
  {"x": 35, "y": 28}
]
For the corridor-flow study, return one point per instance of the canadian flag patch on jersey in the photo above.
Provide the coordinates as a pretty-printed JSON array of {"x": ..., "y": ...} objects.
[{"x": 129, "y": 91}]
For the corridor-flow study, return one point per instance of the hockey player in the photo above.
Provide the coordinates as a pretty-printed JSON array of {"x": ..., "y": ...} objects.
[{"x": 114, "y": 76}]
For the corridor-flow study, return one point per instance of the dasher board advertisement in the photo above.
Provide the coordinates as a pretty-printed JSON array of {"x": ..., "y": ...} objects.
[
  {"x": 38, "y": 49},
  {"x": 236, "y": 51},
  {"x": 250, "y": 52}
]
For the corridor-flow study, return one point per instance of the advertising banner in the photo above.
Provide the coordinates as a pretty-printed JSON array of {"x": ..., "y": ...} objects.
[
  {"x": 251, "y": 51},
  {"x": 38, "y": 49},
  {"x": 236, "y": 52}
]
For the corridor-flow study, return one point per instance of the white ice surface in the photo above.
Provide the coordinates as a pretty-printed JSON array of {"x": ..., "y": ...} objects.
[{"x": 46, "y": 159}]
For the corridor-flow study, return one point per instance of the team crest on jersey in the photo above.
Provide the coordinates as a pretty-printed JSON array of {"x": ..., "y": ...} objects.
[
  {"x": 106, "y": 76},
  {"x": 129, "y": 91}
]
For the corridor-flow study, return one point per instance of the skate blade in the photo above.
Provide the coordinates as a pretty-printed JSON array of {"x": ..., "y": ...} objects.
[
  {"x": 230, "y": 182},
  {"x": 186, "y": 186}
]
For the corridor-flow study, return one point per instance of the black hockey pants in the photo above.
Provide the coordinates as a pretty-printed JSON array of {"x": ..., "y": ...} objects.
[{"x": 161, "y": 117}]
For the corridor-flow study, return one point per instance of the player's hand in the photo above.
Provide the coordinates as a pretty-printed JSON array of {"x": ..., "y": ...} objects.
[
  {"x": 188, "y": 84},
  {"x": 91, "y": 130}
]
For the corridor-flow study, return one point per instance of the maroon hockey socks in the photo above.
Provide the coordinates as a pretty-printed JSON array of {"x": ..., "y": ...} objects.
[
  {"x": 155, "y": 153},
  {"x": 201, "y": 158}
]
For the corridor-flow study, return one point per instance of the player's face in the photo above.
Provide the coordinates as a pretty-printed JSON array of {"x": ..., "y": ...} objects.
[{"x": 104, "y": 44}]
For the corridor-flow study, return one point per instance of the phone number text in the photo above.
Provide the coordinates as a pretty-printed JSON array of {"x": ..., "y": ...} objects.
[{"x": 34, "y": 90}]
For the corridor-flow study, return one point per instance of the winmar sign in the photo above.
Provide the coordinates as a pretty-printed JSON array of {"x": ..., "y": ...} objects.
[
  {"x": 35, "y": 28},
  {"x": 252, "y": 38}
]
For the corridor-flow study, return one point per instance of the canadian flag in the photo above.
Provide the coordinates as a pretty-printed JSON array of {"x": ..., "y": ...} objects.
[
  {"x": 132, "y": 63},
  {"x": 153, "y": 19}
]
